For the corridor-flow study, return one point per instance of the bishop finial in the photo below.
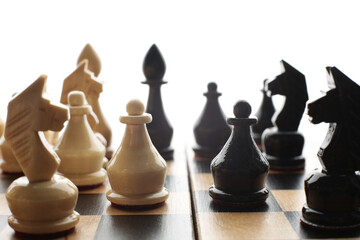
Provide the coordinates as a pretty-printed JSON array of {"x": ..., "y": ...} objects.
[
  {"x": 89, "y": 53},
  {"x": 242, "y": 109},
  {"x": 154, "y": 65}
]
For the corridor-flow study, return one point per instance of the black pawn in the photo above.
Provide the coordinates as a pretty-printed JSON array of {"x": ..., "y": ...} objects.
[
  {"x": 240, "y": 170},
  {"x": 159, "y": 129},
  {"x": 264, "y": 116},
  {"x": 211, "y": 130}
]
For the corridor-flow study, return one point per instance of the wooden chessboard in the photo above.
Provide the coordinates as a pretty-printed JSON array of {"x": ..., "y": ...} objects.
[
  {"x": 189, "y": 213},
  {"x": 100, "y": 220}
]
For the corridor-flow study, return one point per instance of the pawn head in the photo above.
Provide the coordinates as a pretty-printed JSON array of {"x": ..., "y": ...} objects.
[
  {"x": 76, "y": 98},
  {"x": 212, "y": 87},
  {"x": 135, "y": 107},
  {"x": 242, "y": 109}
]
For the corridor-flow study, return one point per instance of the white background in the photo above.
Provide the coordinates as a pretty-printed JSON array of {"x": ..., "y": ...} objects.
[{"x": 234, "y": 43}]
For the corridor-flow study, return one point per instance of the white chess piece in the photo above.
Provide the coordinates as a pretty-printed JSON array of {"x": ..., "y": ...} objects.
[
  {"x": 80, "y": 151},
  {"x": 137, "y": 171}
]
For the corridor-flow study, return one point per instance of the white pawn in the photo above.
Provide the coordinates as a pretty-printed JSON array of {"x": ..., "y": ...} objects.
[
  {"x": 79, "y": 149},
  {"x": 137, "y": 171}
]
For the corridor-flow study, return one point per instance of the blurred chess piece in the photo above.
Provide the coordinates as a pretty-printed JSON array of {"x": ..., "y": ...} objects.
[
  {"x": 240, "y": 170},
  {"x": 159, "y": 129},
  {"x": 264, "y": 116},
  {"x": 40, "y": 202},
  {"x": 333, "y": 193},
  {"x": 211, "y": 130},
  {"x": 137, "y": 171},
  {"x": 79, "y": 149},
  {"x": 283, "y": 144},
  {"x": 84, "y": 79}
]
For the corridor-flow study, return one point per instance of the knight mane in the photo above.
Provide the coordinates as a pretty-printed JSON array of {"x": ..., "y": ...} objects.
[{"x": 17, "y": 132}]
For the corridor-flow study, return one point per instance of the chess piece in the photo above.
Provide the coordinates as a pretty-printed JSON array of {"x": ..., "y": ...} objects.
[
  {"x": 211, "y": 130},
  {"x": 159, "y": 129},
  {"x": 40, "y": 202},
  {"x": 283, "y": 144},
  {"x": 137, "y": 171},
  {"x": 80, "y": 151},
  {"x": 8, "y": 163},
  {"x": 240, "y": 170},
  {"x": 103, "y": 127},
  {"x": 264, "y": 116},
  {"x": 333, "y": 194},
  {"x": 2, "y": 127}
]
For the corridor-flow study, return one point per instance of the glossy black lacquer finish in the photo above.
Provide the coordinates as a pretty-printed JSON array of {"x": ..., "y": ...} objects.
[
  {"x": 283, "y": 144},
  {"x": 159, "y": 129},
  {"x": 240, "y": 169},
  {"x": 211, "y": 130},
  {"x": 264, "y": 115},
  {"x": 333, "y": 194}
]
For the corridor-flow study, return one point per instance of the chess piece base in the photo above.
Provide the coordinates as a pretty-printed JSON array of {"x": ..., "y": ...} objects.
[
  {"x": 44, "y": 227},
  {"x": 10, "y": 167},
  {"x": 90, "y": 179},
  {"x": 239, "y": 199},
  {"x": 205, "y": 152},
  {"x": 291, "y": 163},
  {"x": 167, "y": 153},
  {"x": 137, "y": 200},
  {"x": 42, "y": 207},
  {"x": 330, "y": 221}
]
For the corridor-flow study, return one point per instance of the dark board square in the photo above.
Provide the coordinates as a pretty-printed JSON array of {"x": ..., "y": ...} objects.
[
  {"x": 305, "y": 233},
  {"x": 145, "y": 227},
  {"x": 204, "y": 203},
  {"x": 200, "y": 166},
  {"x": 6, "y": 181},
  {"x": 286, "y": 181},
  {"x": 177, "y": 183},
  {"x": 91, "y": 204}
]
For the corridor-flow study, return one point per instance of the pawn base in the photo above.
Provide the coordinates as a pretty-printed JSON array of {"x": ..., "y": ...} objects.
[
  {"x": 330, "y": 221},
  {"x": 285, "y": 164},
  {"x": 10, "y": 167},
  {"x": 239, "y": 199},
  {"x": 205, "y": 152},
  {"x": 137, "y": 200},
  {"x": 90, "y": 179},
  {"x": 44, "y": 227},
  {"x": 167, "y": 153}
]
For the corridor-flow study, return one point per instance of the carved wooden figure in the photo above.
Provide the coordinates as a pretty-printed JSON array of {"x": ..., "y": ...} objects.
[
  {"x": 137, "y": 171},
  {"x": 264, "y": 115},
  {"x": 80, "y": 151},
  {"x": 333, "y": 194},
  {"x": 211, "y": 130},
  {"x": 160, "y": 129},
  {"x": 283, "y": 144},
  {"x": 40, "y": 202},
  {"x": 240, "y": 170}
]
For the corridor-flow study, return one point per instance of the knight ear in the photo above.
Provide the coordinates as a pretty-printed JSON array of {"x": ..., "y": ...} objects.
[{"x": 35, "y": 89}]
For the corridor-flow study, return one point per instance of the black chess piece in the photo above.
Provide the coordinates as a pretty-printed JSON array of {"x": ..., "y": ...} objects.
[
  {"x": 264, "y": 116},
  {"x": 159, "y": 129},
  {"x": 240, "y": 169},
  {"x": 283, "y": 144},
  {"x": 333, "y": 194},
  {"x": 211, "y": 130}
]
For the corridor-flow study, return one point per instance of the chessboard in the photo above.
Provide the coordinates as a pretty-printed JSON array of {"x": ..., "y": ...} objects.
[
  {"x": 190, "y": 213},
  {"x": 100, "y": 220}
]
